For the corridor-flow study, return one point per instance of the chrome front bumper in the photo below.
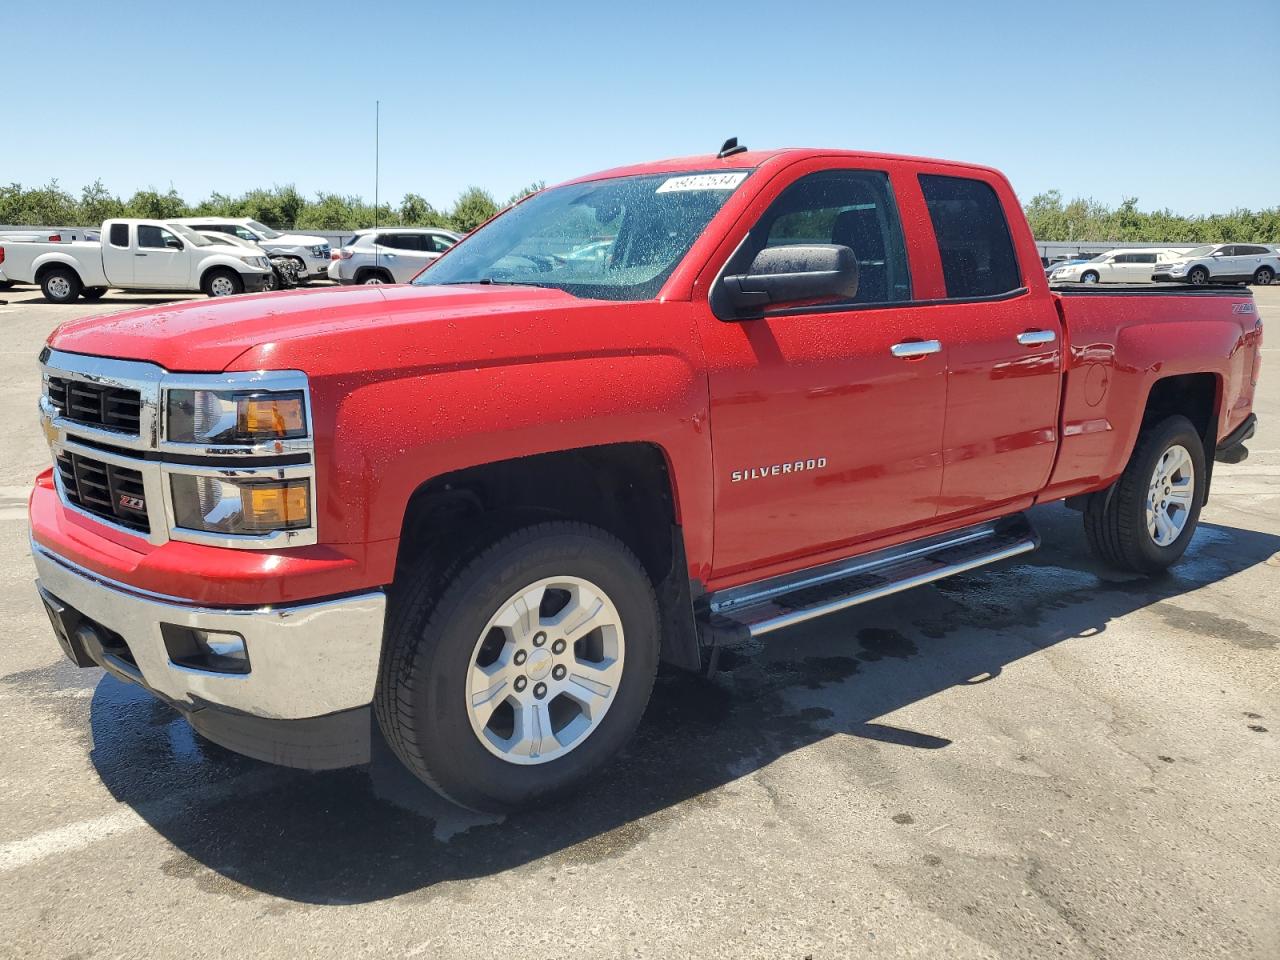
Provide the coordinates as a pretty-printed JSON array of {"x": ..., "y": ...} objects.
[{"x": 307, "y": 660}]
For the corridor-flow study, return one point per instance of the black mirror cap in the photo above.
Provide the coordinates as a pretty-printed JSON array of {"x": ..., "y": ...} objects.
[
  {"x": 173, "y": 244},
  {"x": 794, "y": 274}
]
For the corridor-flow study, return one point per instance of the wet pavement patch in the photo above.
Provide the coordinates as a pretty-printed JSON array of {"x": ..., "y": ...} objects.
[{"x": 1212, "y": 625}]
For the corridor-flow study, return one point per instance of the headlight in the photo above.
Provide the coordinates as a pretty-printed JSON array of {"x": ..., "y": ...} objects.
[
  {"x": 319, "y": 252},
  {"x": 217, "y": 505},
  {"x": 1178, "y": 268},
  {"x": 235, "y": 416},
  {"x": 259, "y": 262}
]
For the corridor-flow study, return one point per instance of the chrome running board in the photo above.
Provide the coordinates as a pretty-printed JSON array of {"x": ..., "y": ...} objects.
[{"x": 758, "y": 608}]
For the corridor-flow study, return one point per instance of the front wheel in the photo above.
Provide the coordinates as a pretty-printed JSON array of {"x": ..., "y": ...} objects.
[
  {"x": 1145, "y": 520},
  {"x": 1198, "y": 275},
  {"x": 222, "y": 283},
  {"x": 1089, "y": 276},
  {"x": 1264, "y": 276},
  {"x": 93, "y": 293},
  {"x": 511, "y": 677}
]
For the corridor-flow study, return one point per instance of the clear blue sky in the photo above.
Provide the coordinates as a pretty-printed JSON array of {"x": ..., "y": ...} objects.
[{"x": 1175, "y": 103}]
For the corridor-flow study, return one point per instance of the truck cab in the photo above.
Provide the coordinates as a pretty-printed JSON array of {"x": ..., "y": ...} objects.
[{"x": 640, "y": 416}]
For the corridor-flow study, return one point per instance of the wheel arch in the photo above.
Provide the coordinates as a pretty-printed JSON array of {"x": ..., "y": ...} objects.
[
  {"x": 365, "y": 270},
  {"x": 211, "y": 266},
  {"x": 627, "y": 489},
  {"x": 52, "y": 261},
  {"x": 1196, "y": 396}
]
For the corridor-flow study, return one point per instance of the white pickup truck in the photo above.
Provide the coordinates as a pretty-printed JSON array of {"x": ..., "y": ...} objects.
[{"x": 135, "y": 255}]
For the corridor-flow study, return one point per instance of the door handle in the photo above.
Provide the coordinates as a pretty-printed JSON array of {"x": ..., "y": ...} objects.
[
  {"x": 916, "y": 348},
  {"x": 1032, "y": 338},
  {"x": 139, "y": 254}
]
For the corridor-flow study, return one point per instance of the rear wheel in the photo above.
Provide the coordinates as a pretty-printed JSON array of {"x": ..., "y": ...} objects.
[
  {"x": 1198, "y": 275},
  {"x": 374, "y": 276},
  {"x": 60, "y": 285},
  {"x": 93, "y": 293},
  {"x": 1145, "y": 520},
  {"x": 222, "y": 283},
  {"x": 512, "y": 675},
  {"x": 1264, "y": 276},
  {"x": 1089, "y": 276}
]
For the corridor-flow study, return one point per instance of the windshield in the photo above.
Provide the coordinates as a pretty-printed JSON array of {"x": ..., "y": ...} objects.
[
  {"x": 189, "y": 235},
  {"x": 1100, "y": 257},
  {"x": 1197, "y": 252},
  {"x": 615, "y": 239},
  {"x": 267, "y": 232}
]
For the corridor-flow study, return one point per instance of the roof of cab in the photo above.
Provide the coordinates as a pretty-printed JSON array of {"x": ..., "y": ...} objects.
[{"x": 752, "y": 159}]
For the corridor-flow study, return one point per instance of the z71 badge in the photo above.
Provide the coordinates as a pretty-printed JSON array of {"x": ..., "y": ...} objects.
[{"x": 778, "y": 469}]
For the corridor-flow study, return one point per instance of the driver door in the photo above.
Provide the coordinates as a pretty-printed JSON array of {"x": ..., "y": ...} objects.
[
  {"x": 160, "y": 260},
  {"x": 826, "y": 420}
]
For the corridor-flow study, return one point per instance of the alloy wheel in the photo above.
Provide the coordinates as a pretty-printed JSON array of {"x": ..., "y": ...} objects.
[
  {"x": 545, "y": 670},
  {"x": 1170, "y": 495}
]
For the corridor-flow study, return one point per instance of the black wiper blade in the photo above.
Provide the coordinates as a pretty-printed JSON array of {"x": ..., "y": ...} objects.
[{"x": 489, "y": 281}]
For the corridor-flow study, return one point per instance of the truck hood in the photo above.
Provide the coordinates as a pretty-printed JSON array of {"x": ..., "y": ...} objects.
[{"x": 206, "y": 336}]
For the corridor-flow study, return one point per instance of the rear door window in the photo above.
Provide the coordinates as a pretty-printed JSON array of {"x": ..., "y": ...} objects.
[
  {"x": 974, "y": 242},
  {"x": 119, "y": 235}
]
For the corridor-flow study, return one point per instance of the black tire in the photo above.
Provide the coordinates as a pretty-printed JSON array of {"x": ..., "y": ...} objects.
[
  {"x": 1089, "y": 276},
  {"x": 1115, "y": 518},
  {"x": 234, "y": 282},
  {"x": 1198, "y": 276},
  {"x": 93, "y": 293},
  {"x": 1264, "y": 276},
  {"x": 374, "y": 275},
  {"x": 60, "y": 284},
  {"x": 5, "y": 284},
  {"x": 437, "y": 614}
]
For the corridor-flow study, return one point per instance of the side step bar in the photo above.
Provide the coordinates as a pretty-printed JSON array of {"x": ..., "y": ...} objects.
[{"x": 758, "y": 608}]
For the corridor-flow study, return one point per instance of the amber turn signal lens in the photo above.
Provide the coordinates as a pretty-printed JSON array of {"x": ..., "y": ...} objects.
[
  {"x": 276, "y": 506},
  {"x": 268, "y": 416}
]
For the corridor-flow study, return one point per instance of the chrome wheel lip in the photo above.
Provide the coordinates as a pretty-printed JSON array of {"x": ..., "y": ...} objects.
[
  {"x": 1170, "y": 495},
  {"x": 531, "y": 682}
]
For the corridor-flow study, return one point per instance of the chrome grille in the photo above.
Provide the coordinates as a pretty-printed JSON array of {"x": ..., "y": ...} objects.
[
  {"x": 106, "y": 490},
  {"x": 97, "y": 405}
]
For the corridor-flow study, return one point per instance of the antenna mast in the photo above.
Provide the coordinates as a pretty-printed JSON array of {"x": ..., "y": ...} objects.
[{"x": 377, "y": 136}]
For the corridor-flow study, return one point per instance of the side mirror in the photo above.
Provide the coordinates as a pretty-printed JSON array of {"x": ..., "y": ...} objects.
[
  {"x": 794, "y": 275},
  {"x": 173, "y": 243}
]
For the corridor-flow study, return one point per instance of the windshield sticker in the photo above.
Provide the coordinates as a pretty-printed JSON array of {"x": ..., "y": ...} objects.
[{"x": 702, "y": 181}]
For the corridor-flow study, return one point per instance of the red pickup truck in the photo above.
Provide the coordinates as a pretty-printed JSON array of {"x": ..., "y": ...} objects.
[{"x": 633, "y": 418}]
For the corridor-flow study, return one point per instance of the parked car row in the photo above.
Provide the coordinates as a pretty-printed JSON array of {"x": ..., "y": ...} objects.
[{"x": 1211, "y": 263}]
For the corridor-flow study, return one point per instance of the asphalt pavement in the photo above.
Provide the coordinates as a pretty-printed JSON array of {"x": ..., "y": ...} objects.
[{"x": 1040, "y": 759}]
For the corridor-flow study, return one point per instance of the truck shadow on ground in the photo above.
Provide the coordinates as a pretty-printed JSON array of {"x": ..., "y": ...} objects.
[{"x": 245, "y": 828}]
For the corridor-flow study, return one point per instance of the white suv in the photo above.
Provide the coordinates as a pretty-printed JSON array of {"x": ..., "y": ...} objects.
[
  {"x": 1223, "y": 263},
  {"x": 310, "y": 253},
  {"x": 389, "y": 255}
]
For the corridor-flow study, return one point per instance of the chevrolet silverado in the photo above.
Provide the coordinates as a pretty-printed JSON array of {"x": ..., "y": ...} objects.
[{"x": 482, "y": 507}]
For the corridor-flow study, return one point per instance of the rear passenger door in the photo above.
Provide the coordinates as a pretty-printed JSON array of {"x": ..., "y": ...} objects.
[
  {"x": 403, "y": 255},
  {"x": 1003, "y": 341}
]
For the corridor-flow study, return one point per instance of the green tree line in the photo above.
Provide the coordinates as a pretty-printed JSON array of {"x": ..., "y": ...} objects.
[
  {"x": 281, "y": 207},
  {"x": 285, "y": 208},
  {"x": 1081, "y": 220}
]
